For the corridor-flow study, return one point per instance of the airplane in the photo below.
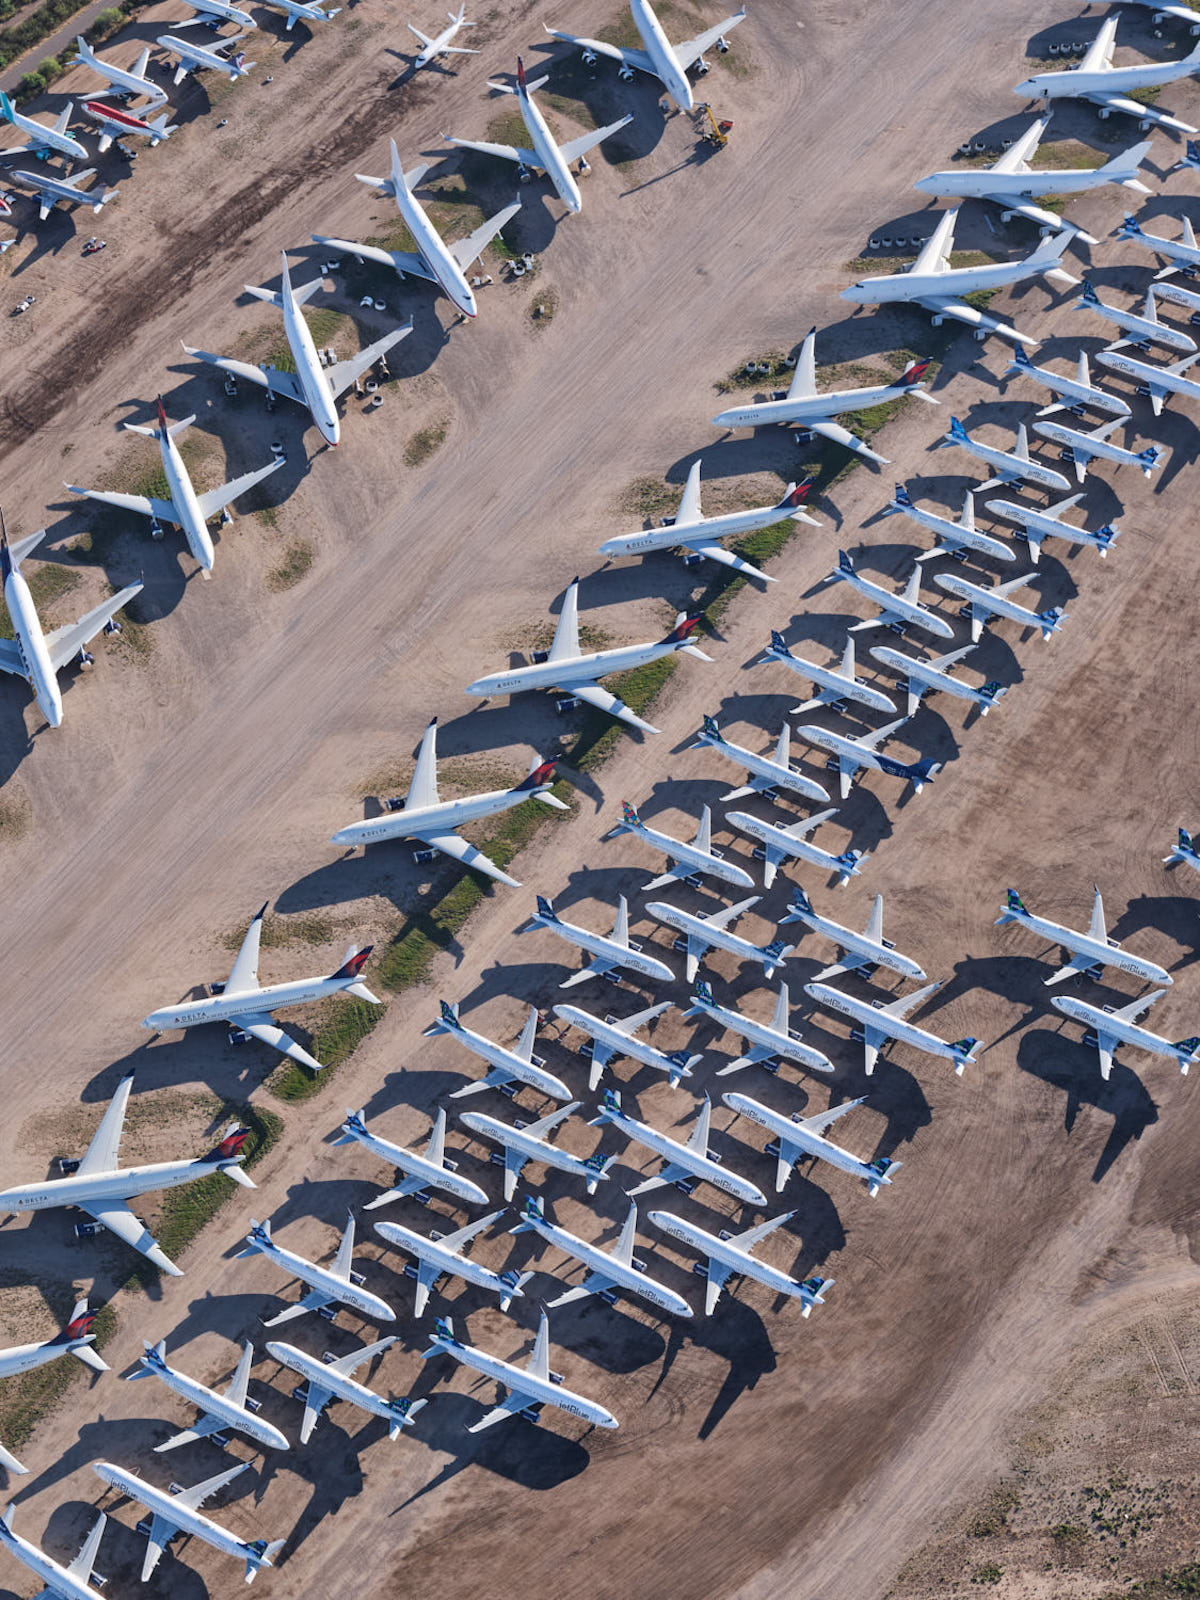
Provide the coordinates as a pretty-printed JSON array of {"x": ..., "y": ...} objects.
[
  {"x": 1109, "y": 87},
  {"x": 696, "y": 535},
  {"x": 547, "y": 155},
  {"x": 195, "y": 58},
  {"x": 879, "y": 1023},
  {"x": 797, "y": 1137},
  {"x": 686, "y": 862},
  {"x": 1084, "y": 448},
  {"x": 188, "y": 511},
  {"x": 115, "y": 121},
  {"x": 688, "y": 1163},
  {"x": 1109, "y": 1028},
  {"x": 767, "y": 1042},
  {"x": 777, "y": 844},
  {"x": 897, "y": 611},
  {"x": 1076, "y": 393},
  {"x": 1039, "y": 525},
  {"x": 609, "y": 1272},
  {"x": 433, "y": 259},
  {"x": 214, "y": 12},
  {"x": 924, "y": 677},
  {"x": 699, "y": 934},
  {"x": 614, "y": 1036},
  {"x": 247, "y": 1007},
  {"x": 848, "y": 755},
  {"x": 868, "y": 949},
  {"x": 1158, "y": 384},
  {"x": 1191, "y": 155},
  {"x": 233, "y": 1411},
  {"x": 836, "y": 684},
  {"x": 729, "y": 1254},
  {"x": 72, "y": 1582},
  {"x": 768, "y": 774},
  {"x": 442, "y": 44},
  {"x": 42, "y": 140},
  {"x": 297, "y": 11},
  {"x": 1092, "y": 951},
  {"x": 933, "y": 283},
  {"x": 39, "y": 657},
  {"x": 421, "y": 1173},
  {"x": 312, "y": 386},
  {"x": 434, "y": 822},
  {"x": 954, "y": 538},
  {"x": 1012, "y": 466},
  {"x": 172, "y": 1514},
  {"x": 121, "y": 80},
  {"x": 1174, "y": 294},
  {"x": 529, "y": 1388},
  {"x": 981, "y": 604},
  {"x": 50, "y": 190},
  {"x": 329, "y": 1287},
  {"x": 439, "y": 1254},
  {"x": 97, "y": 1185},
  {"x": 1185, "y": 850},
  {"x": 1183, "y": 13},
  {"x": 611, "y": 953},
  {"x": 328, "y": 1380},
  {"x": 1182, "y": 254},
  {"x": 565, "y": 668},
  {"x": 523, "y": 1142},
  {"x": 509, "y": 1063},
  {"x": 661, "y": 59},
  {"x": 76, "y": 1339},
  {"x": 1143, "y": 330}
]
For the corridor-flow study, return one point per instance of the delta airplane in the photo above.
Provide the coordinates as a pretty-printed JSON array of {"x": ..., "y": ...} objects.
[
  {"x": 434, "y": 822},
  {"x": 529, "y": 1387},
  {"x": 172, "y": 1514},
  {"x": 233, "y": 1411},
  {"x": 39, "y": 657},
  {"x": 247, "y": 1007},
  {"x": 928, "y": 677},
  {"x": 1142, "y": 330},
  {"x": 768, "y": 774},
  {"x": 777, "y": 844},
  {"x": 879, "y": 1023},
  {"x": 1038, "y": 525},
  {"x": 51, "y": 190},
  {"x": 954, "y": 538},
  {"x": 687, "y": 1164},
  {"x": 1109, "y": 87},
  {"x": 1185, "y": 851},
  {"x": 76, "y": 1339},
  {"x": 1012, "y": 466},
  {"x": 687, "y": 863},
  {"x": 72, "y": 1582},
  {"x": 699, "y": 934},
  {"x": 1084, "y": 448},
  {"x": 421, "y": 1173},
  {"x": 114, "y": 121},
  {"x": 97, "y": 1185},
  {"x": 42, "y": 140},
  {"x": 214, "y": 12},
  {"x": 982, "y": 604},
  {"x": 696, "y": 535},
  {"x": 195, "y": 58},
  {"x": 614, "y": 1036},
  {"x": 312, "y": 386},
  {"x": 565, "y": 668},
  {"x": 299, "y": 12},
  {"x": 897, "y": 611},
  {"x": 661, "y": 59},
  {"x": 867, "y": 949},
  {"x": 524, "y": 1142},
  {"x": 1093, "y": 950},
  {"x": 611, "y": 953},
  {"x": 510, "y": 1064},
  {"x": 1076, "y": 393},
  {"x": 848, "y": 755},
  {"x": 1156, "y": 383},
  {"x": 547, "y": 155},
  {"x": 1182, "y": 254},
  {"x": 797, "y": 1137},
  {"x": 441, "y": 1254},
  {"x": 442, "y": 44},
  {"x": 1109, "y": 1029},
  {"x": 123, "y": 80},
  {"x": 609, "y": 1272},
  {"x": 329, "y": 1380},
  {"x": 183, "y": 507},
  {"x": 836, "y": 685},
  {"x": 768, "y": 1042},
  {"x": 433, "y": 259},
  {"x": 329, "y": 1287},
  {"x": 729, "y": 1254}
]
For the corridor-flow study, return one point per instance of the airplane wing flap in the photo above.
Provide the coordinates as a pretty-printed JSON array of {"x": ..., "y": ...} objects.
[
  {"x": 64, "y": 643},
  {"x": 688, "y": 53},
  {"x": 217, "y": 499},
  {"x": 935, "y": 252},
  {"x": 116, "y": 1216},
  {"x": 285, "y": 383},
  {"x": 343, "y": 374},
  {"x": 466, "y": 251}
]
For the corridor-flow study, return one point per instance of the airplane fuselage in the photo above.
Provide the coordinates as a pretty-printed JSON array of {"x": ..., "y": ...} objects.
[
  {"x": 938, "y": 285},
  {"x": 195, "y": 58},
  {"x": 239, "y": 1418},
  {"x": 788, "y": 844},
  {"x": 805, "y": 1140},
  {"x": 118, "y": 77},
  {"x": 838, "y": 745},
  {"x": 1040, "y": 524},
  {"x": 537, "y": 1391},
  {"x": 1011, "y": 466},
  {"x": 881, "y": 955},
  {"x": 692, "y": 1162},
  {"x": 1143, "y": 372},
  {"x": 95, "y": 1188},
  {"x": 982, "y": 184},
  {"x": 574, "y": 669},
  {"x": 432, "y": 249},
  {"x": 411, "y": 823},
  {"x": 1072, "y": 389},
  {"x": 181, "y": 1517},
  {"x": 621, "y": 955},
  {"x": 57, "y": 1580},
  {"x": 53, "y": 190},
  {"x": 509, "y": 1061},
  {"x": 702, "y": 530},
  {"x": 1100, "y": 951},
  {"x": 658, "y": 48},
  {"x": 867, "y": 1015},
  {"x": 183, "y": 497},
  {"x": 715, "y": 938},
  {"x": 1074, "y": 84},
  {"x": 896, "y": 605},
  {"x": 1099, "y": 1020},
  {"x": 773, "y": 772},
  {"x": 309, "y": 373},
  {"x": 729, "y": 1255},
  {"x": 442, "y": 1259},
  {"x": 809, "y": 408},
  {"x": 687, "y": 855},
  {"x": 527, "y": 1145},
  {"x": 116, "y": 121},
  {"x": 765, "y": 1037},
  {"x": 326, "y": 1282},
  {"x": 228, "y": 1007},
  {"x": 548, "y": 154},
  {"x": 25, "y": 1357},
  {"x": 32, "y": 649},
  {"x": 416, "y": 1166},
  {"x": 611, "y": 1041},
  {"x": 600, "y": 1262},
  {"x": 340, "y": 1385}
]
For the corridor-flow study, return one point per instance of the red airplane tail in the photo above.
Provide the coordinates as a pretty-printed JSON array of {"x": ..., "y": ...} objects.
[{"x": 353, "y": 965}]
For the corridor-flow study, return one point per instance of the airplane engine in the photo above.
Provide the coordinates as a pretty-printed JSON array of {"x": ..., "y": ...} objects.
[
  {"x": 589, "y": 58},
  {"x": 625, "y": 74},
  {"x": 701, "y": 68},
  {"x": 723, "y": 46}
]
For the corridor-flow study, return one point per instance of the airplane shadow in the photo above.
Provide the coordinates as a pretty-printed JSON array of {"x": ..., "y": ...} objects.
[{"x": 1073, "y": 1068}]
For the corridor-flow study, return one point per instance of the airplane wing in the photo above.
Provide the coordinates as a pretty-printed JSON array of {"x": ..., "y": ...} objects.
[
  {"x": 689, "y": 53},
  {"x": 204, "y": 1429},
  {"x": 873, "y": 1040},
  {"x": 1098, "y": 928},
  {"x": 217, "y": 499},
  {"x": 284, "y": 383},
  {"x": 344, "y": 1260},
  {"x": 596, "y": 968},
  {"x": 463, "y": 1236},
  {"x": 423, "y": 789},
  {"x": 823, "y": 1119},
  {"x": 347, "y": 1366},
  {"x": 576, "y": 149},
  {"x": 728, "y": 914},
  {"x": 159, "y": 1534},
  {"x": 103, "y": 1154},
  {"x": 604, "y": 700},
  {"x": 935, "y": 252},
  {"x": 195, "y": 1497},
  {"x": 1099, "y": 53},
  {"x": 905, "y": 1003},
  {"x": 756, "y": 1234},
  {"x": 315, "y": 1400},
  {"x": 717, "y": 1277},
  {"x": 727, "y": 558},
  {"x": 1019, "y": 152},
  {"x": 671, "y": 1173},
  {"x": 142, "y": 505},
  {"x": 846, "y": 770},
  {"x": 404, "y": 261},
  {"x": 427, "y": 1275},
  {"x": 465, "y": 251},
  {"x": 539, "y": 1360},
  {"x": 344, "y": 374},
  {"x": 697, "y": 948},
  {"x": 65, "y": 643},
  {"x": 264, "y": 1028},
  {"x": 637, "y": 59},
  {"x": 592, "y": 1284},
  {"x": 513, "y": 1403},
  {"x": 116, "y": 1216},
  {"x": 1106, "y": 1045},
  {"x": 312, "y": 1301},
  {"x": 401, "y": 1191},
  {"x": 469, "y": 854},
  {"x": 850, "y": 962},
  {"x": 240, "y": 1382},
  {"x": 1076, "y": 964},
  {"x": 243, "y": 974},
  {"x": 630, "y": 1025},
  {"x": 839, "y": 435},
  {"x": 85, "y": 1561},
  {"x": 689, "y": 504},
  {"x": 504, "y": 152},
  {"x": 566, "y": 634},
  {"x": 1136, "y": 1008},
  {"x": 874, "y": 929}
]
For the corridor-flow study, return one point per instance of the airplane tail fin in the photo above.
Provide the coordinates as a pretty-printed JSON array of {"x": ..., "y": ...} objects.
[
  {"x": 1104, "y": 537},
  {"x": 801, "y": 906},
  {"x": 901, "y": 499},
  {"x": 914, "y": 373},
  {"x": 1087, "y": 294},
  {"x": 1014, "y": 907},
  {"x": 881, "y": 1168},
  {"x": 680, "y": 634},
  {"x": 848, "y": 864},
  {"x": 610, "y": 1105},
  {"x": 546, "y": 909},
  {"x": 354, "y": 1127},
  {"x": 353, "y": 964},
  {"x": 259, "y": 1238},
  {"x": 844, "y": 568},
  {"x": 1186, "y": 1051},
  {"x": 798, "y": 493},
  {"x": 962, "y": 1048},
  {"x": 1020, "y": 362},
  {"x": 1051, "y": 620},
  {"x": 532, "y": 1211},
  {"x": 709, "y": 731},
  {"x": 401, "y": 1414},
  {"x": 1186, "y": 846},
  {"x": 260, "y": 1553},
  {"x": 539, "y": 778},
  {"x": 955, "y": 434}
]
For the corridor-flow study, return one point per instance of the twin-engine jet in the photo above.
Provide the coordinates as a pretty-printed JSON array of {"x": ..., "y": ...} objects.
[
  {"x": 523, "y": 1141},
  {"x": 442, "y": 44},
  {"x": 325, "y": 1381},
  {"x": 797, "y": 1138},
  {"x": 780, "y": 842},
  {"x": 195, "y": 58},
  {"x": 953, "y": 538},
  {"x": 1182, "y": 255},
  {"x": 1039, "y": 525},
  {"x": 922, "y": 677},
  {"x": 421, "y": 1173},
  {"x": 878, "y": 1023},
  {"x": 121, "y": 80},
  {"x": 509, "y": 1063},
  {"x": 847, "y": 756},
  {"x": 729, "y": 1254},
  {"x": 981, "y": 604},
  {"x": 1158, "y": 384},
  {"x": 764, "y": 1044},
  {"x": 835, "y": 685},
  {"x": 1139, "y": 329},
  {"x": 610, "y": 1272},
  {"x": 686, "y": 863},
  {"x": 1091, "y": 951},
  {"x": 611, "y": 953},
  {"x": 50, "y": 190},
  {"x": 866, "y": 949},
  {"x": 1012, "y": 466},
  {"x": 768, "y": 774},
  {"x": 1073, "y": 393},
  {"x": 40, "y": 140},
  {"x": 220, "y": 1414},
  {"x": 114, "y": 122},
  {"x": 616, "y": 1036},
  {"x": 76, "y": 1339},
  {"x": 437, "y": 1255},
  {"x": 898, "y": 611},
  {"x": 688, "y": 1163},
  {"x": 700, "y": 934},
  {"x": 72, "y": 1582},
  {"x": 329, "y": 1287},
  {"x": 661, "y": 59},
  {"x": 172, "y": 1514},
  {"x": 1109, "y": 1028}
]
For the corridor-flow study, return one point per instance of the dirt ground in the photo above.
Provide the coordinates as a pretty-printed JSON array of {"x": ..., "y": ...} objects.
[{"x": 1038, "y": 1210}]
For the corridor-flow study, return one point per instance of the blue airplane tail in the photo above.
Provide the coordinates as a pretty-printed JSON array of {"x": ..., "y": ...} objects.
[
  {"x": 901, "y": 497},
  {"x": 1088, "y": 295},
  {"x": 1014, "y": 907}
]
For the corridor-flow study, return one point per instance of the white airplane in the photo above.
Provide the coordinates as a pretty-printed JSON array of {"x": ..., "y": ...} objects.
[
  {"x": 1185, "y": 851},
  {"x": 729, "y": 1254},
  {"x": 1075, "y": 393},
  {"x": 699, "y": 934},
  {"x": 233, "y": 1411},
  {"x": 523, "y": 1142},
  {"x": 324, "y": 1381},
  {"x": 933, "y": 283},
  {"x": 97, "y": 1185},
  {"x": 797, "y": 1137},
  {"x": 214, "y": 12},
  {"x": 247, "y": 1006},
  {"x": 434, "y": 822},
  {"x": 696, "y": 535},
  {"x": 183, "y": 507},
  {"x": 878, "y": 1023},
  {"x": 329, "y": 1287},
  {"x": 868, "y": 949},
  {"x": 1012, "y": 466},
  {"x": 529, "y": 1388},
  {"x": 609, "y": 1272},
  {"x": 195, "y": 58},
  {"x": 1092, "y": 951},
  {"x": 565, "y": 668},
  {"x": 72, "y": 1582},
  {"x": 421, "y": 1173},
  {"x": 953, "y": 537},
  {"x": 172, "y": 1514},
  {"x": 114, "y": 121},
  {"x": 41, "y": 139},
  {"x": 312, "y": 386},
  {"x": 768, "y": 774},
  {"x": 439, "y": 1254},
  {"x": 836, "y": 684},
  {"x": 848, "y": 755},
  {"x": 1173, "y": 294},
  {"x": 1109, "y": 87},
  {"x": 924, "y": 677},
  {"x": 778, "y": 843},
  {"x": 433, "y": 259},
  {"x": 661, "y": 59},
  {"x": 1143, "y": 330},
  {"x": 764, "y": 1043},
  {"x": 611, "y": 953},
  {"x": 981, "y": 604},
  {"x": 1181, "y": 254},
  {"x": 297, "y": 11},
  {"x": 687, "y": 1164},
  {"x": 76, "y": 1339},
  {"x": 614, "y": 1036},
  {"x": 442, "y": 44},
  {"x": 50, "y": 190},
  {"x": 1084, "y": 448},
  {"x": 1038, "y": 525},
  {"x": 1191, "y": 156},
  {"x": 39, "y": 657},
  {"x": 509, "y": 1063},
  {"x": 687, "y": 863},
  {"x": 547, "y": 155},
  {"x": 897, "y": 611},
  {"x": 1109, "y": 1028},
  {"x": 1182, "y": 13},
  {"x": 1157, "y": 384},
  {"x": 123, "y": 80}
]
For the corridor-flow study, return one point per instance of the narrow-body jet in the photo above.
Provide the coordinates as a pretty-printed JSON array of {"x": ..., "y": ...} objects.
[
  {"x": 1109, "y": 1028},
  {"x": 768, "y": 774},
  {"x": 688, "y": 1163},
  {"x": 524, "y": 1141},
  {"x": 179, "y": 1513},
  {"x": 877, "y": 1023},
  {"x": 953, "y": 538},
  {"x": 896, "y": 611},
  {"x": 867, "y": 949},
  {"x": 847, "y": 756},
  {"x": 764, "y": 1044},
  {"x": 329, "y": 1288},
  {"x": 835, "y": 684},
  {"x": 509, "y": 1063},
  {"x": 1091, "y": 952},
  {"x": 611, "y": 953},
  {"x": 609, "y": 1272},
  {"x": 220, "y": 1414},
  {"x": 797, "y": 1138},
  {"x": 922, "y": 677},
  {"x": 438, "y": 1255},
  {"x": 729, "y": 1254},
  {"x": 326, "y": 1381},
  {"x": 686, "y": 863},
  {"x": 421, "y": 1172},
  {"x": 981, "y": 604},
  {"x": 700, "y": 934},
  {"x": 1038, "y": 525},
  {"x": 780, "y": 842},
  {"x": 1074, "y": 393}
]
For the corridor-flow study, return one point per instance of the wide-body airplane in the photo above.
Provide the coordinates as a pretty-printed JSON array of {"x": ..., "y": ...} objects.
[
  {"x": 329, "y": 1287},
  {"x": 421, "y": 1173},
  {"x": 509, "y": 1064},
  {"x": 798, "y": 1137},
  {"x": 699, "y": 934},
  {"x": 214, "y": 12},
  {"x": 1181, "y": 254},
  {"x": 954, "y": 538},
  {"x": 768, "y": 774},
  {"x": 300, "y": 11},
  {"x": 41, "y": 140},
  {"x": 1140, "y": 329},
  {"x": 172, "y": 1514},
  {"x": 50, "y": 190},
  {"x": 220, "y": 1414},
  {"x": 764, "y": 1044},
  {"x": 1012, "y": 466},
  {"x": 661, "y": 59},
  {"x": 442, "y": 44},
  {"x": 1091, "y": 951},
  {"x": 867, "y": 949},
  {"x": 729, "y": 1254},
  {"x": 778, "y": 843},
  {"x": 1158, "y": 384},
  {"x": 1161, "y": 10},
  {"x": 896, "y": 611},
  {"x": 848, "y": 755},
  {"x": 1083, "y": 448},
  {"x": 1111, "y": 88},
  {"x": 1038, "y": 525},
  {"x": 76, "y": 1339},
  {"x": 121, "y": 80},
  {"x": 924, "y": 677},
  {"x": 686, "y": 863},
  {"x": 981, "y": 604},
  {"x": 688, "y": 1163},
  {"x": 72, "y": 1582},
  {"x": 326, "y": 1381},
  {"x": 524, "y": 1141},
  {"x": 609, "y": 1272},
  {"x": 437, "y": 1255},
  {"x": 835, "y": 684},
  {"x": 195, "y": 58},
  {"x": 1074, "y": 393},
  {"x": 115, "y": 121},
  {"x": 877, "y": 1023},
  {"x": 616, "y": 1036},
  {"x": 611, "y": 953},
  {"x": 1109, "y": 1028}
]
